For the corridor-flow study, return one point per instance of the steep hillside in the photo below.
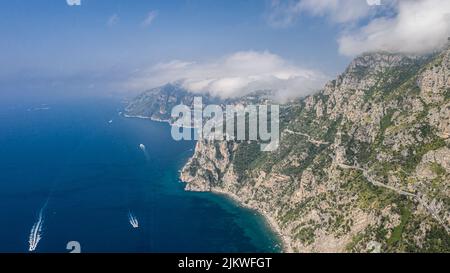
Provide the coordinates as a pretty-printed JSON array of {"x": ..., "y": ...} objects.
[
  {"x": 157, "y": 103},
  {"x": 363, "y": 166}
]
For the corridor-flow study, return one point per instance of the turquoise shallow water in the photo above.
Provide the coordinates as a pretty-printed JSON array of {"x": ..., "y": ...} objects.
[{"x": 91, "y": 173}]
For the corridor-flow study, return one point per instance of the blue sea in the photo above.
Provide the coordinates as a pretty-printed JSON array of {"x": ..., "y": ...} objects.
[{"x": 65, "y": 158}]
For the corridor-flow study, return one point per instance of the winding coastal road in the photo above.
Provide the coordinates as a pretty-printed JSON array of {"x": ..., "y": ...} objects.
[
  {"x": 310, "y": 139},
  {"x": 418, "y": 198}
]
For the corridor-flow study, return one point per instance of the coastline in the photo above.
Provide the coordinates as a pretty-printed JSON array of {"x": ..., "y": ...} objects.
[
  {"x": 156, "y": 120},
  {"x": 144, "y": 117},
  {"x": 273, "y": 225}
]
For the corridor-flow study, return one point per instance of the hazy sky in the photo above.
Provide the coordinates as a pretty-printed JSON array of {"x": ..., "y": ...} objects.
[{"x": 124, "y": 43}]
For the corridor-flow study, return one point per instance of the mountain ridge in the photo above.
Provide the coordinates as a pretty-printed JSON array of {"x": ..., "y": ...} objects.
[{"x": 363, "y": 165}]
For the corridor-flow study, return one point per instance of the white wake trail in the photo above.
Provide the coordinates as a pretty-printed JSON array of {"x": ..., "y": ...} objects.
[
  {"x": 133, "y": 220},
  {"x": 144, "y": 150},
  {"x": 36, "y": 231}
]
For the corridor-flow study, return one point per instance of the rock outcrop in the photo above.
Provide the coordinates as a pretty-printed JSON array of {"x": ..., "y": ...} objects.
[{"x": 363, "y": 165}]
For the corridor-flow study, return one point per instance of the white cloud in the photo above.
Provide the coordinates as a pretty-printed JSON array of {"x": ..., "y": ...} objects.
[
  {"x": 340, "y": 11},
  {"x": 420, "y": 26},
  {"x": 73, "y": 2},
  {"x": 406, "y": 26},
  {"x": 151, "y": 16},
  {"x": 283, "y": 13},
  {"x": 113, "y": 20},
  {"x": 233, "y": 75}
]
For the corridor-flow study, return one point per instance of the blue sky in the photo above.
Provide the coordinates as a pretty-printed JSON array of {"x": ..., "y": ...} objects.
[
  {"x": 196, "y": 29},
  {"x": 48, "y": 39}
]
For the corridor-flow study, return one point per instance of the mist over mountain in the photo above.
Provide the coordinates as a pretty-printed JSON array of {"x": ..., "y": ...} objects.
[{"x": 233, "y": 76}]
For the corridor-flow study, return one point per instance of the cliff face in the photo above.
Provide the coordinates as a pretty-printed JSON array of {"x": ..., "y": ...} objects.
[
  {"x": 157, "y": 103},
  {"x": 363, "y": 165}
]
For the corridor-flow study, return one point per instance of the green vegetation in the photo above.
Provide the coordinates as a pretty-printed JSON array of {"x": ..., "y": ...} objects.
[
  {"x": 368, "y": 196},
  {"x": 350, "y": 247},
  {"x": 246, "y": 157},
  {"x": 438, "y": 169},
  {"x": 306, "y": 235},
  {"x": 219, "y": 155},
  {"x": 386, "y": 121},
  {"x": 402, "y": 136},
  {"x": 421, "y": 150},
  {"x": 396, "y": 235},
  {"x": 193, "y": 167},
  {"x": 332, "y": 130},
  {"x": 437, "y": 241}
]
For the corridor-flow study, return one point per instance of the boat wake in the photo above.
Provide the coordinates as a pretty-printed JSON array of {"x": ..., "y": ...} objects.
[
  {"x": 142, "y": 147},
  {"x": 36, "y": 231},
  {"x": 133, "y": 220},
  {"x": 144, "y": 150}
]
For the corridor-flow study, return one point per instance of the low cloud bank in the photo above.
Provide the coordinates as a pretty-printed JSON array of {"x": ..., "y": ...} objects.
[{"x": 233, "y": 75}]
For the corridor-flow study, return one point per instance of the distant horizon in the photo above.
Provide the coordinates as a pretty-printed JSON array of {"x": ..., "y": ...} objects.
[{"x": 223, "y": 47}]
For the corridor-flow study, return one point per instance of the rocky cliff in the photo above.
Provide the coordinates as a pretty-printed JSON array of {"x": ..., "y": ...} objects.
[
  {"x": 363, "y": 165},
  {"x": 157, "y": 103}
]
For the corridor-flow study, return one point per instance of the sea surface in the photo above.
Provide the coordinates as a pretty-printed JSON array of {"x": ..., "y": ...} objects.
[{"x": 73, "y": 170}]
